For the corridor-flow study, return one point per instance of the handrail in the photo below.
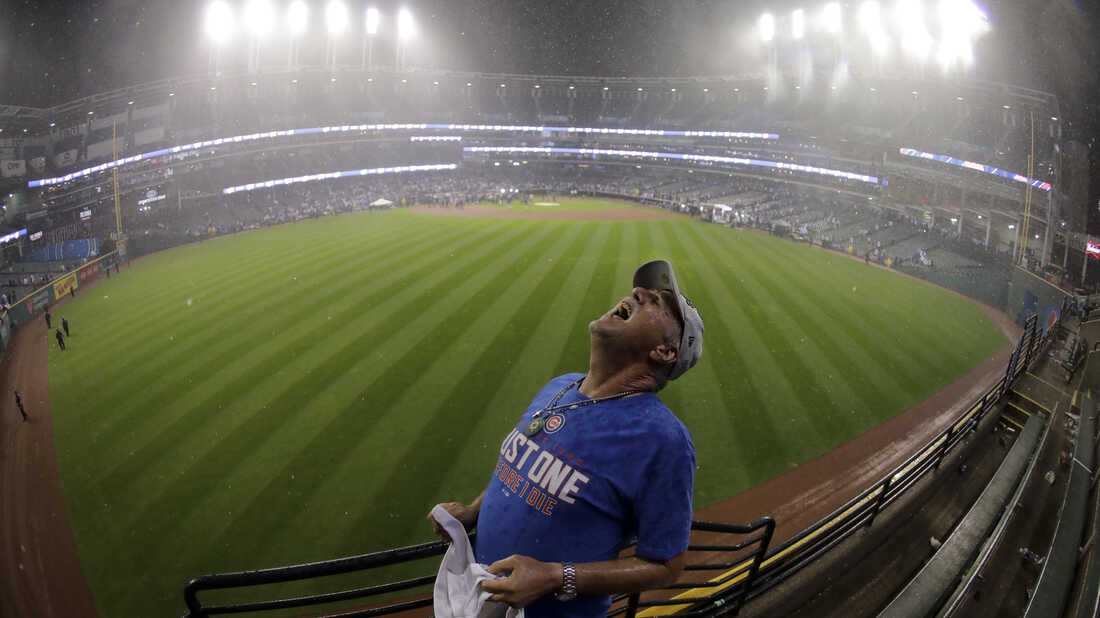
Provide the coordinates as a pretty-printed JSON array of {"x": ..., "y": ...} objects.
[{"x": 722, "y": 595}]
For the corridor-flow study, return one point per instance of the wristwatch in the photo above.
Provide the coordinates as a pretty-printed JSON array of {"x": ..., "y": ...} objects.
[{"x": 568, "y": 590}]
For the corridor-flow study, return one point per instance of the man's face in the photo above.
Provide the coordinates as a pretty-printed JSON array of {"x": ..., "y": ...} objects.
[{"x": 639, "y": 323}]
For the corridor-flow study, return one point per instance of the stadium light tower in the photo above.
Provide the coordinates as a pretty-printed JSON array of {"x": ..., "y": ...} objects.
[
  {"x": 406, "y": 28},
  {"x": 798, "y": 23},
  {"x": 766, "y": 27},
  {"x": 219, "y": 25},
  {"x": 368, "y": 41},
  {"x": 336, "y": 23},
  {"x": 961, "y": 22},
  {"x": 259, "y": 20},
  {"x": 297, "y": 21},
  {"x": 914, "y": 34},
  {"x": 831, "y": 20},
  {"x": 870, "y": 22}
]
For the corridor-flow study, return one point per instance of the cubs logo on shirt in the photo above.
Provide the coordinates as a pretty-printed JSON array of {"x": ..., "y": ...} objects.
[{"x": 554, "y": 423}]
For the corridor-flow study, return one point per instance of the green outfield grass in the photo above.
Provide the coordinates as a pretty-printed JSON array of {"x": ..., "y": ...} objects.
[{"x": 309, "y": 391}]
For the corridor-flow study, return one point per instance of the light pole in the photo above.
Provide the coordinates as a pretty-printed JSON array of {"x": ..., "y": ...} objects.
[
  {"x": 259, "y": 19},
  {"x": 406, "y": 28},
  {"x": 336, "y": 22},
  {"x": 297, "y": 19},
  {"x": 219, "y": 28},
  {"x": 368, "y": 39}
]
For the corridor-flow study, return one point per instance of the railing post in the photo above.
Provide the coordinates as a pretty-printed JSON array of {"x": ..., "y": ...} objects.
[
  {"x": 632, "y": 605},
  {"x": 943, "y": 446},
  {"x": 194, "y": 608},
  {"x": 880, "y": 500},
  {"x": 757, "y": 560}
]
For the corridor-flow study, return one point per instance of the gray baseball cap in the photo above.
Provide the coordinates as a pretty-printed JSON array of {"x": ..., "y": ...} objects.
[{"x": 658, "y": 275}]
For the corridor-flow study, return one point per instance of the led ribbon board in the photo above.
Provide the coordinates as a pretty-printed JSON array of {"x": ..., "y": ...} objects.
[
  {"x": 14, "y": 235},
  {"x": 251, "y": 137},
  {"x": 1092, "y": 249},
  {"x": 978, "y": 167},
  {"x": 648, "y": 154},
  {"x": 372, "y": 171}
]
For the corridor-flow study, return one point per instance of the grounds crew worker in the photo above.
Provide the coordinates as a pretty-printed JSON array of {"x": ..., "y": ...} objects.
[{"x": 596, "y": 460}]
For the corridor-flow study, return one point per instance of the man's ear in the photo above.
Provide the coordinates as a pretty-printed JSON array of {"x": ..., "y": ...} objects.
[{"x": 664, "y": 354}]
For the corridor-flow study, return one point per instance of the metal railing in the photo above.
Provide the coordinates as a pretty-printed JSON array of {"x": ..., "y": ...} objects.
[{"x": 725, "y": 592}]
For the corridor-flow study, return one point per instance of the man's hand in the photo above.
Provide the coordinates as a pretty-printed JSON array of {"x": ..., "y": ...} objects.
[
  {"x": 466, "y": 514},
  {"x": 528, "y": 579}
]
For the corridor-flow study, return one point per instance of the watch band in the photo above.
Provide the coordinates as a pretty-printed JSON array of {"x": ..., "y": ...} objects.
[{"x": 568, "y": 582}]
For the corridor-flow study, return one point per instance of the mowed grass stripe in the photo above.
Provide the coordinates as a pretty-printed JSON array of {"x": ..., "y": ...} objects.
[
  {"x": 866, "y": 311},
  {"x": 196, "y": 359},
  {"x": 268, "y": 362},
  {"x": 593, "y": 303},
  {"x": 216, "y": 359},
  {"x": 880, "y": 312},
  {"x": 847, "y": 319},
  {"x": 170, "y": 371},
  {"x": 887, "y": 303},
  {"x": 213, "y": 281},
  {"x": 450, "y": 393},
  {"x": 418, "y": 344},
  {"x": 241, "y": 293},
  {"x": 826, "y": 353}
]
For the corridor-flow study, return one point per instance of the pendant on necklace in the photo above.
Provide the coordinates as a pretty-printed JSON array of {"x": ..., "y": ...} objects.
[{"x": 534, "y": 427}]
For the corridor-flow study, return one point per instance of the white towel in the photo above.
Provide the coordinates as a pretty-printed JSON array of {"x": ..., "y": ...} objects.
[{"x": 458, "y": 593}]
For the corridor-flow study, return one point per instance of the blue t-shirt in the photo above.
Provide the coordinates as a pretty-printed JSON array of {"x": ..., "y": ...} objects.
[{"x": 581, "y": 489}]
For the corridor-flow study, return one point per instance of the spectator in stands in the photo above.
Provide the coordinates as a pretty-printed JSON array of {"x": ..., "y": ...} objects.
[{"x": 575, "y": 485}]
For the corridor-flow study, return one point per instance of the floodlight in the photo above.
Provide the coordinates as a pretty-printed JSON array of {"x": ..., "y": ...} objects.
[
  {"x": 766, "y": 25},
  {"x": 869, "y": 19},
  {"x": 405, "y": 26},
  {"x": 219, "y": 22},
  {"x": 830, "y": 18},
  {"x": 336, "y": 17},
  {"x": 297, "y": 18},
  {"x": 914, "y": 38},
  {"x": 798, "y": 23},
  {"x": 259, "y": 17},
  {"x": 372, "y": 21}
]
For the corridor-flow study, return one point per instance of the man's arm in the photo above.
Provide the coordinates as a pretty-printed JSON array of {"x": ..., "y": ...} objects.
[
  {"x": 530, "y": 579},
  {"x": 465, "y": 513}
]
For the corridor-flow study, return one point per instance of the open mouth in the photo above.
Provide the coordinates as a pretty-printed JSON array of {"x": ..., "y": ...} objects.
[{"x": 623, "y": 310}]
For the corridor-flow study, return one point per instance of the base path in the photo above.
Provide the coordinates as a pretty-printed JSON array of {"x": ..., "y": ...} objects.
[{"x": 40, "y": 573}]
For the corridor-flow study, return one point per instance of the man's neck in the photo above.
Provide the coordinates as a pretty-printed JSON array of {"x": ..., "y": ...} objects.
[{"x": 604, "y": 381}]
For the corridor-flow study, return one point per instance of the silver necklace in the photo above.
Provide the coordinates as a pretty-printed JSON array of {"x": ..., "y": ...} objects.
[{"x": 537, "y": 420}]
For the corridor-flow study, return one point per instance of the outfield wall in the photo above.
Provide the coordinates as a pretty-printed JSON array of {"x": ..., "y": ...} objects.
[{"x": 25, "y": 309}]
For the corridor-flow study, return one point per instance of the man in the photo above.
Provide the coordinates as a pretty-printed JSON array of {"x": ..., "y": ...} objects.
[
  {"x": 595, "y": 461},
  {"x": 48, "y": 325},
  {"x": 19, "y": 404},
  {"x": 65, "y": 325},
  {"x": 60, "y": 339}
]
